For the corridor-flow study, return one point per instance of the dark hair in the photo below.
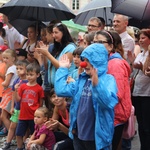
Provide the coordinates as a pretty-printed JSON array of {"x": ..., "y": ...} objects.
[
  {"x": 66, "y": 39},
  {"x": 22, "y": 63},
  {"x": 146, "y": 32},
  {"x": 78, "y": 51},
  {"x": 106, "y": 34},
  {"x": 49, "y": 28},
  {"x": 2, "y": 30},
  {"x": 33, "y": 67},
  {"x": 89, "y": 37},
  {"x": 118, "y": 47},
  {"x": 45, "y": 111}
]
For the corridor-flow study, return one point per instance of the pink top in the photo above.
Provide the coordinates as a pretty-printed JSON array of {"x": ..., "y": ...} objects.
[{"x": 50, "y": 137}]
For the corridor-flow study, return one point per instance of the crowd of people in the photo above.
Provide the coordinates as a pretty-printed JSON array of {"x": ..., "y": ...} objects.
[{"x": 58, "y": 93}]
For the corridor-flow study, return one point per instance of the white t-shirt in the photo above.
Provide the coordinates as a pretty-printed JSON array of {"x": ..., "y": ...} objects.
[
  {"x": 1, "y": 41},
  {"x": 12, "y": 36},
  {"x": 142, "y": 82},
  {"x": 12, "y": 69},
  {"x": 127, "y": 42}
]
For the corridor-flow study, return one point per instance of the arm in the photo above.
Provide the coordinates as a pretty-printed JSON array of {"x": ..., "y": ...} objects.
[
  {"x": 16, "y": 95},
  {"x": 38, "y": 141},
  {"x": 41, "y": 102},
  {"x": 44, "y": 50},
  {"x": 12, "y": 103},
  {"x": 8, "y": 78}
]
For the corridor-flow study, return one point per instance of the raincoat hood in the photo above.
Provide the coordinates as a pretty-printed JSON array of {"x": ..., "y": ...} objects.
[{"x": 97, "y": 55}]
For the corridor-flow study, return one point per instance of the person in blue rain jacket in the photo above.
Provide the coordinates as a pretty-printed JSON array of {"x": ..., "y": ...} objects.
[{"x": 94, "y": 97}]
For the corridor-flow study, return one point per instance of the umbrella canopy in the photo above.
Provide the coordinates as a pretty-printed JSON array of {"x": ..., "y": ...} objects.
[
  {"x": 96, "y": 8},
  {"x": 139, "y": 9},
  {"x": 76, "y": 27},
  {"x": 41, "y": 10},
  {"x": 22, "y": 25}
]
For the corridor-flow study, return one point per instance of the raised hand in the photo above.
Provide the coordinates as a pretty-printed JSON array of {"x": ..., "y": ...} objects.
[
  {"x": 94, "y": 76},
  {"x": 42, "y": 48},
  {"x": 64, "y": 61}
]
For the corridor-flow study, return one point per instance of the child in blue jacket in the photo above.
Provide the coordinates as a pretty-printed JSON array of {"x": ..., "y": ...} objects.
[{"x": 94, "y": 97}]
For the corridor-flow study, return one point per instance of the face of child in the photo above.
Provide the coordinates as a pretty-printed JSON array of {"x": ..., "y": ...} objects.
[
  {"x": 57, "y": 101},
  {"x": 39, "y": 118},
  {"x": 21, "y": 70},
  {"x": 21, "y": 57},
  {"x": 76, "y": 60},
  {"x": 88, "y": 68},
  {"x": 32, "y": 76},
  {"x": 8, "y": 59}
]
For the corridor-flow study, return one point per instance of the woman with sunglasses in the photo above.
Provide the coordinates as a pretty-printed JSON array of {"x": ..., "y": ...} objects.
[
  {"x": 63, "y": 44},
  {"x": 120, "y": 69}
]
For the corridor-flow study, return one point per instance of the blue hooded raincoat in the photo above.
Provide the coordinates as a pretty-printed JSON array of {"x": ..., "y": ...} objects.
[{"x": 104, "y": 95}]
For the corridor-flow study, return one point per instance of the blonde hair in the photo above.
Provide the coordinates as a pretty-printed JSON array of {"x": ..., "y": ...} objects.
[
  {"x": 45, "y": 112},
  {"x": 130, "y": 32},
  {"x": 11, "y": 52}
]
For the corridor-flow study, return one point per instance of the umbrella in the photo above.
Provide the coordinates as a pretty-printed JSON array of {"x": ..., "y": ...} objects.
[
  {"x": 41, "y": 10},
  {"x": 22, "y": 25},
  {"x": 139, "y": 9},
  {"x": 95, "y": 8},
  {"x": 76, "y": 27}
]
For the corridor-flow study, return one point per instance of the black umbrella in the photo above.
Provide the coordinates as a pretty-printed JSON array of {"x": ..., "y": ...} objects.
[
  {"x": 138, "y": 9},
  {"x": 41, "y": 10},
  {"x": 95, "y": 8},
  {"x": 22, "y": 25}
]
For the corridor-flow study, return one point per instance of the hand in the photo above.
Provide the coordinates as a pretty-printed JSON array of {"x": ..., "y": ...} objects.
[
  {"x": 138, "y": 65},
  {"x": 70, "y": 79},
  {"x": 147, "y": 72},
  {"x": 17, "y": 45},
  {"x": 94, "y": 76},
  {"x": 131, "y": 56},
  {"x": 17, "y": 86},
  {"x": 42, "y": 48},
  {"x": 80, "y": 70},
  {"x": 52, "y": 124},
  {"x": 12, "y": 111},
  {"x": 64, "y": 61}
]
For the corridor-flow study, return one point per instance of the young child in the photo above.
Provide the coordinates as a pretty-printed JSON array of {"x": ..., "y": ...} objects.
[
  {"x": 9, "y": 57},
  {"x": 94, "y": 98},
  {"x": 21, "y": 54},
  {"x": 42, "y": 138},
  {"x": 30, "y": 95},
  {"x": 60, "y": 122},
  {"x": 15, "y": 106},
  {"x": 2, "y": 75},
  {"x": 76, "y": 59}
]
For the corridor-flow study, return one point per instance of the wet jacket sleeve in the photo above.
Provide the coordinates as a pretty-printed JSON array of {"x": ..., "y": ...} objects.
[
  {"x": 105, "y": 92},
  {"x": 62, "y": 88}
]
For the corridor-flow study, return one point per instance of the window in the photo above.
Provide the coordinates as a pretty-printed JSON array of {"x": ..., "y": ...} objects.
[{"x": 75, "y": 4}]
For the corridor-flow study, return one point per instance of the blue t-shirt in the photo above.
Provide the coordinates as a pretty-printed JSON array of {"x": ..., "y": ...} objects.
[
  {"x": 52, "y": 70},
  {"x": 17, "y": 104},
  {"x": 86, "y": 115}
]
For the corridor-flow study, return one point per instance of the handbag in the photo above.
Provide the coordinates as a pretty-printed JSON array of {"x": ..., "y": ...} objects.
[
  {"x": 129, "y": 128},
  {"x": 132, "y": 81}
]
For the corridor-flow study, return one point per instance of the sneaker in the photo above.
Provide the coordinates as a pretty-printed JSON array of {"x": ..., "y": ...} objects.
[
  {"x": 3, "y": 132},
  {"x": 13, "y": 143},
  {"x": 3, "y": 140},
  {"x": 6, "y": 146},
  {"x": 1, "y": 128}
]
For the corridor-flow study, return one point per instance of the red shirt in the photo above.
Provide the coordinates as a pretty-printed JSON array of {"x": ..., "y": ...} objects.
[{"x": 30, "y": 100}]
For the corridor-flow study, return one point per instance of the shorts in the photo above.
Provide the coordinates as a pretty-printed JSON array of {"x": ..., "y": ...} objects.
[
  {"x": 14, "y": 116},
  {"x": 23, "y": 126}
]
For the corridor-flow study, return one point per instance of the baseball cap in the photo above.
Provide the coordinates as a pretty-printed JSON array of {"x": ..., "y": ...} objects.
[
  {"x": 21, "y": 52},
  {"x": 3, "y": 48}
]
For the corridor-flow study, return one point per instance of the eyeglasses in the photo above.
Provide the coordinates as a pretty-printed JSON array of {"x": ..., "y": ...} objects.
[
  {"x": 102, "y": 42},
  {"x": 92, "y": 26}
]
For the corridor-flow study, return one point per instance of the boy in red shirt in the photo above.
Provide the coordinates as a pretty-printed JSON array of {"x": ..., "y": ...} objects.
[{"x": 31, "y": 97}]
